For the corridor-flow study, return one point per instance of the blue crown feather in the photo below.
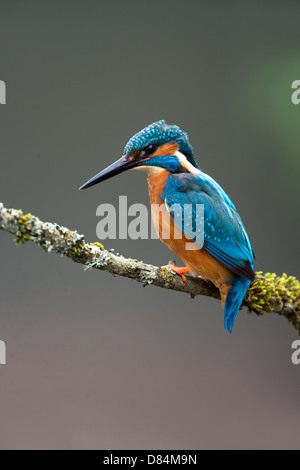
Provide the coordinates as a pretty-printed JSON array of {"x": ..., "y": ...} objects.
[{"x": 160, "y": 133}]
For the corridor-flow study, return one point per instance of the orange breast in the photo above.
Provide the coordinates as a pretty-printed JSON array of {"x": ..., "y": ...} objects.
[{"x": 197, "y": 261}]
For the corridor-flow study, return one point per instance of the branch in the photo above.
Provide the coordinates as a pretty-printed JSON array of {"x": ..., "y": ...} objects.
[{"x": 268, "y": 293}]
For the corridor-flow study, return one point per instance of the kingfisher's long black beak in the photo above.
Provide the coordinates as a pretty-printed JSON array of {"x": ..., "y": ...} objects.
[{"x": 118, "y": 167}]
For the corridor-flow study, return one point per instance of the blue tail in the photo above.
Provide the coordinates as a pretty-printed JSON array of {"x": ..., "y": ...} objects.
[{"x": 234, "y": 300}]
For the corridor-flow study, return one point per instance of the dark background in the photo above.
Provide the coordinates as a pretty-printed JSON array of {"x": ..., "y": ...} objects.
[{"x": 99, "y": 362}]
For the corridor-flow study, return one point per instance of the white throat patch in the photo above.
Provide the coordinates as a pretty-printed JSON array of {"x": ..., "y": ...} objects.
[
  {"x": 186, "y": 164},
  {"x": 150, "y": 170}
]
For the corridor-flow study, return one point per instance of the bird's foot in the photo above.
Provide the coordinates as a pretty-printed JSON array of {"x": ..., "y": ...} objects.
[{"x": 179, "y": 271}]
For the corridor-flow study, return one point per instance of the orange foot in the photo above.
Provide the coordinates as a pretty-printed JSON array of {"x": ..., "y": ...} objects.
[{"x": 179, "y": 271}]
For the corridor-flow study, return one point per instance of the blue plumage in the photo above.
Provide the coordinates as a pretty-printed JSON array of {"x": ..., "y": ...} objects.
[
  {"x": 234, "y": 301},
  {"x": 224, "y": 234}
]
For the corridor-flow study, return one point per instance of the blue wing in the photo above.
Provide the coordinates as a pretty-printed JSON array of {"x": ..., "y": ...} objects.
[{"x": 224, "y": 234}]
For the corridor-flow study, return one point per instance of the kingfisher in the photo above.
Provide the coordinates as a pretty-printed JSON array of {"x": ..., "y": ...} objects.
[{"x": 224, "y": 256}]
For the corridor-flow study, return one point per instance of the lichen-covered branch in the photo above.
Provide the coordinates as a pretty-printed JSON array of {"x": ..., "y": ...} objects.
[{"x": 269, "y": 292}]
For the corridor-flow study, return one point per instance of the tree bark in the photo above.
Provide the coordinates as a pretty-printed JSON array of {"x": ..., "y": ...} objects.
[{"x": 268, "y": 293}]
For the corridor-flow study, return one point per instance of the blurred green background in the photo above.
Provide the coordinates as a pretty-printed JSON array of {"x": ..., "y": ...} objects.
[{"x": 98, "y": 362}]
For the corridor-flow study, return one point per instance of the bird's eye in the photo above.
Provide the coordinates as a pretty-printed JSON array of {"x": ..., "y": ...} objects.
[{"x": 150, "y": 148}]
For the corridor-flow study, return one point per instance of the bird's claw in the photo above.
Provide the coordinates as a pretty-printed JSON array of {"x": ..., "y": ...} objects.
[{"x": 179, "y": 271}]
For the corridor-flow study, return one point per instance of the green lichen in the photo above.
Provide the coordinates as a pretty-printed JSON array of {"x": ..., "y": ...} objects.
[
  {"x": 79, "y": 249},
  {"x": 166, "y": 275},
  {"x": 24, "y": 219},
  {"x": 22, "y": 239},
  {"x": 99, "y": 245},
  {"x": 270, "y": 292},
  {"x": 23, "y": 227}
]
